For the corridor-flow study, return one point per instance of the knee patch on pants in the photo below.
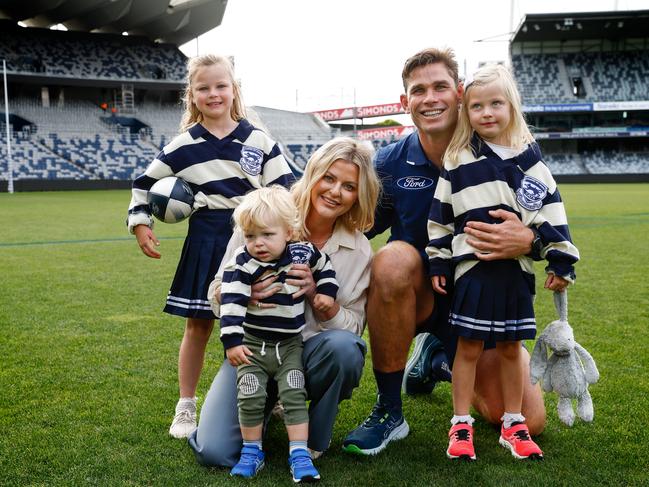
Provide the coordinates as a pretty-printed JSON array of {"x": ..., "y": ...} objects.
[
  {"x": 295, "y": 379},
  {"x": 248, "y": 384},
  {"x": 251, "y": 400}
]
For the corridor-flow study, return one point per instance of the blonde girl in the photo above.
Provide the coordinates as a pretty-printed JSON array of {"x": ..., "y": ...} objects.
[
  {"x": 222, "y": 157},
  {"x": 491, "y": 163}
]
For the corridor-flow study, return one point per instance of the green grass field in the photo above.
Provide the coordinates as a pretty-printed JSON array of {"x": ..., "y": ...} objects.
[{"x": 88, "y": 375}]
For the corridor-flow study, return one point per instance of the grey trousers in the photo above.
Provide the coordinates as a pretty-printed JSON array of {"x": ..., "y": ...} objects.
[{"x": 333, "y": 363}]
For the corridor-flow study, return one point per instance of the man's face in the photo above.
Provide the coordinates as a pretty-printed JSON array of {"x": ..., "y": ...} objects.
[{"x": 432, "y": 99}]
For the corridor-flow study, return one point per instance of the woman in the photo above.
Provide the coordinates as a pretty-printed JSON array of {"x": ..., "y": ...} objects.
[{"x": 336, "y": 198}]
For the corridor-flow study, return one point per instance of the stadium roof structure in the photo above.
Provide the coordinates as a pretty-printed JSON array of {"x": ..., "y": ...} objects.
[
  {"x": 171, "y": 21},
  {"x": 612, "y": 25}
]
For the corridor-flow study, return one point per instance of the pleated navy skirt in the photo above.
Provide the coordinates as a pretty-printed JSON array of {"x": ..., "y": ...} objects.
[
  {"x": 494, "y": 301},
  {"x": 207, "y": 238}
]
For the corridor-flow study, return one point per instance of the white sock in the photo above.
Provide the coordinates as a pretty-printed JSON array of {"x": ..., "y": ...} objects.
[
  {"x": 465, "y": 418},
  {"x": 256, "y": 443},
  {"x": 509, "y": 418},
  {"x": 296, "y": 445},
  {"x": 186, "y": 404}
]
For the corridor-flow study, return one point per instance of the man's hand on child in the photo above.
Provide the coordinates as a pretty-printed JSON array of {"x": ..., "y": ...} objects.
[
  {"x": 322, "y": 302},
  {"x": 439, "y": 284},
  {"x": 495, "y": 241},
  {"x": 555, "y": 283},
  {"x": 238, "y": 355}
]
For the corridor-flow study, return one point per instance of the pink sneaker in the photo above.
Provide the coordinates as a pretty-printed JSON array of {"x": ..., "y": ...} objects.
[
  {"x": 460, "y": 444},
  {"x": 517, "y": 440}
]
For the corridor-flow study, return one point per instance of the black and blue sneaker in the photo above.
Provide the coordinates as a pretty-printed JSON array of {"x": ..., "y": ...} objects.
[
  {"x": 426, "y": 366},
  {"x": 383, "y": 425}
]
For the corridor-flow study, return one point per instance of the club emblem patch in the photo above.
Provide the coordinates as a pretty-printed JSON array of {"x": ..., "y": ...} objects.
[
  {"x": 251, "y": 159},
  {"x": 300, "y": 253},
  {"x": 531, "y": 193}
]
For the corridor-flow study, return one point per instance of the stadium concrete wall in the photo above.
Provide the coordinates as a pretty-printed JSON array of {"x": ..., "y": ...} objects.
[{"x": 26, "y": 185}]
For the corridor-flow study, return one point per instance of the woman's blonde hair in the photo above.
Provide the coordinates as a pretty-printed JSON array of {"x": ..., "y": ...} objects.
[
  {"x": 192, "y": 116},
  {"x": 267, "y": 207},
  {"x": 361, "y": 215},
  {"x": 518, "y": 132}
]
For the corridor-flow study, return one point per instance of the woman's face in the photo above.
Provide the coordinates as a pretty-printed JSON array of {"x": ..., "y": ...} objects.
[{"x": 336, "y": 192}]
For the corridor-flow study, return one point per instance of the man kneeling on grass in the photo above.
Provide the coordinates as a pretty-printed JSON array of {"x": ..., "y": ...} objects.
[{"x": 401, "y": 302}]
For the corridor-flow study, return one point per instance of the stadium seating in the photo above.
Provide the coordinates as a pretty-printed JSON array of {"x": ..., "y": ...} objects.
[
  {"x": 294, "y": 128},
  {"x": 163, "y": 118},
  {"x": 74, "y": 138},
  {"x": 564, "y": 163},
  {"x": 605, "y": 162},
  {"x": 31, "y": 160},
  {"x": 66, "y": 54},
  {"x": 606, "y": 76}
]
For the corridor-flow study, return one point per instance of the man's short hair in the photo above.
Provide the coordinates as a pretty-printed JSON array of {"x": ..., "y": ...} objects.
[{"x": 428, "y": 56}]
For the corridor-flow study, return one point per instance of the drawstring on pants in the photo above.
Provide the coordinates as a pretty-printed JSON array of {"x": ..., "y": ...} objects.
[
  {"x": 263, "y": 351},
  {"x": 279, "y": 360}
]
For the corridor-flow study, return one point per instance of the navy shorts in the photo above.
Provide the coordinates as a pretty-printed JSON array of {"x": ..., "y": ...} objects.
[{"x": 207, "y": 238}]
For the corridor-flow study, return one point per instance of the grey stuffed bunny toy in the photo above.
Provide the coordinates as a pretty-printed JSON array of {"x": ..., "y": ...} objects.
[{"x": 569, "y": 369}]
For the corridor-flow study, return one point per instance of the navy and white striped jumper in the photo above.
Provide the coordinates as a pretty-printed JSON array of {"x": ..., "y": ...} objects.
[
  {"x": 284, "y": 321},
  {"x": 495, "y": 299},
  {"x": 220, "y": 172}
]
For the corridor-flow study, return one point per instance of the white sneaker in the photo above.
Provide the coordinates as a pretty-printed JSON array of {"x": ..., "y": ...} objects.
[{"x": 184, "y": 422}]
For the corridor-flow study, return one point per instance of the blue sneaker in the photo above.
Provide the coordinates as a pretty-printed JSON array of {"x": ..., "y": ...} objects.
[
  {"x": 426, "y": 366},
  {"x": 383, "y": 425},
  {"x": 250, "y": 462},
  {"x": 302, "y": 467}
]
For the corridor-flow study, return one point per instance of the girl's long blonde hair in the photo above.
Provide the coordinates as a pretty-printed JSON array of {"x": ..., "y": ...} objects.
[
  {"x": 361, "y": 215},
  {"x": 192, "y": 116},
  {"x": 518, "y": 132}
]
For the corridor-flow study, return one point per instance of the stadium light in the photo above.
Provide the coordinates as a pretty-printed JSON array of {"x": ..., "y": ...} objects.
[{"x": 10, "y": 166}]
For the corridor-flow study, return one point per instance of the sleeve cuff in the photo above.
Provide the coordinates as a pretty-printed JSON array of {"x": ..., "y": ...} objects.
[
  {"x": 138, "y": 219},
  {"x": 232, "y": 340},
  {"x": 215, "y": 285},
  {"x": 337, "y": 321}
]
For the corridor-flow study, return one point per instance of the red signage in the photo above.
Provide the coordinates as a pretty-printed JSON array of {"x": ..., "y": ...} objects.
[
  {"x": 379, "y": 110},
  {"x": 360, "y": 112},
  {"x": 336, "y": 114},
  {"x": 387, "y": 133}
]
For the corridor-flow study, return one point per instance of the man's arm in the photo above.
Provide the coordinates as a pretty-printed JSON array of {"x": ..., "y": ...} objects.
[{"x": 506, "y": 240}]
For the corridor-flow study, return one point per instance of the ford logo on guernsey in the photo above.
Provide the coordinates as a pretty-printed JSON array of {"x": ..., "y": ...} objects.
[{"x": 415, "y": 182}]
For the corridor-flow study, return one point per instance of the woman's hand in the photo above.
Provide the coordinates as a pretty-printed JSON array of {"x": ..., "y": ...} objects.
[
  {"x": 263, "y": 289},
  {"x": 147, "y": 241},
  {"x": 302, "y": 277},
  {"x": 238, "y": 355}
]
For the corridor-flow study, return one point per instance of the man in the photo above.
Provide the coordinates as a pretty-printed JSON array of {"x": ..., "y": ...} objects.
[{"x": 401, "y": 302}]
